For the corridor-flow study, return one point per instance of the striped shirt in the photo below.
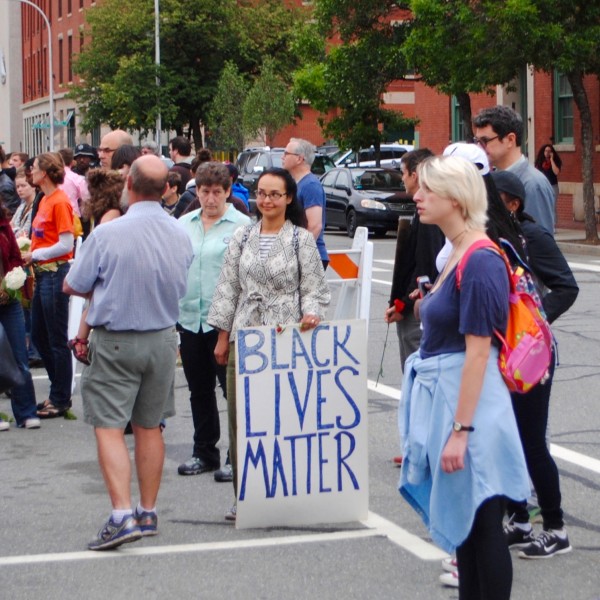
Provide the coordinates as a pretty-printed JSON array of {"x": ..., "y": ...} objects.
[{"x": 136, "y": 267}]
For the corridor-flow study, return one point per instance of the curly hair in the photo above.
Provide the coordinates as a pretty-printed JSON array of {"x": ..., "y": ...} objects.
[{"x": 105, "y": 189}]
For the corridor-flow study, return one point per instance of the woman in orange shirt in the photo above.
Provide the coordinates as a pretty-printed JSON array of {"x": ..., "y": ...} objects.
[{"x": 51, "y": 249}]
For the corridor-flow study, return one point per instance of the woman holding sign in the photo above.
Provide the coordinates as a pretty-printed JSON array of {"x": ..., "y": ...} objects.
[
  {"x": 462, "y": 452},
  {"x": 271, "y": 275}
]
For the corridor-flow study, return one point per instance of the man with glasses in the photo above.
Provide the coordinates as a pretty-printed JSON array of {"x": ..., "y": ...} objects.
[
  {"x": 499, "y": 131},
  {"x": 109, "y": 145},
  {"x": 298, "y": 158}
]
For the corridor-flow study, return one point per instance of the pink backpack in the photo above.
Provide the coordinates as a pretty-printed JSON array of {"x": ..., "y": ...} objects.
[{"x": 526, "y": 348}]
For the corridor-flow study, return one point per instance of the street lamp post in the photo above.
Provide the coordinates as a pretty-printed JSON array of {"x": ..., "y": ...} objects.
[
  {"x": 157, "y": 62},
  {"x": 50, "y": 69}
]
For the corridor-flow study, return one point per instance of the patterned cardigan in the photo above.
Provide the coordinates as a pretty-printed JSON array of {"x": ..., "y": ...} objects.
[{"x": 251, "y": 292}]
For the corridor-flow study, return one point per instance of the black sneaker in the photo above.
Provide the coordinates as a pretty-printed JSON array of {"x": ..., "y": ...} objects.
[
  {"x": 147, "y": 522},
  {"x": 546, "y": 545},
  {"x": 114, "y": 534},
  {"x": 516, "y": 537}
]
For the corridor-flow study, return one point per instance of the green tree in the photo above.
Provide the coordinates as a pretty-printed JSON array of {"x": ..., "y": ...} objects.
[
  {"x": 467, "y": 46},
  {"x": 566, "y": 38},
  {"x": 269, "y": 105},
  {"x": 224, "y": 114},
  {"x": 197, "y": 38},
  {"x": 347, "y": 83}
]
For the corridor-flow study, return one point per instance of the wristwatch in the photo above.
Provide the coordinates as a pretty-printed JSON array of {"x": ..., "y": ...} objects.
[{"x": 460, "y": 427}]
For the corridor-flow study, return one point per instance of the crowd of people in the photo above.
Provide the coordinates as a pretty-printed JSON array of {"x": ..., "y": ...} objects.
[{"x": 175, "y": 239}]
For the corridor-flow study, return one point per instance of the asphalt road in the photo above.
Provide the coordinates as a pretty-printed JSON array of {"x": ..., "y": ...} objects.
[{"x": 53, "y": 500}]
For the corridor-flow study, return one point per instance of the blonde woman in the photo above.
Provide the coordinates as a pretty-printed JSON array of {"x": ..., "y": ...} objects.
[{"x": 462, "y": 452}]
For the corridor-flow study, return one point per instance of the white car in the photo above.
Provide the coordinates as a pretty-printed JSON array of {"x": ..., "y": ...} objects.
[{"x": 390, "y": 155}]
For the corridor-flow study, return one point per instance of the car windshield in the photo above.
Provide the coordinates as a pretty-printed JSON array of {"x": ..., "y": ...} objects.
[{"x": 387, "y": 180}]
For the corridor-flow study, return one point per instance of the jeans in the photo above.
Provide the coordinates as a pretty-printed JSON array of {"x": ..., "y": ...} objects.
[
  {"x": 23, "y": 396},
  {"x": 531, "y": 411},
  {"x": 32, "y": 352},
  {"x": 49, "y": 324},
  {"x": 201, "y": 371}
]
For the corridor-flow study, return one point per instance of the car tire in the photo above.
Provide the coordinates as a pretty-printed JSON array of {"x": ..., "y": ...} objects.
[{"x": 351, "y": 223}]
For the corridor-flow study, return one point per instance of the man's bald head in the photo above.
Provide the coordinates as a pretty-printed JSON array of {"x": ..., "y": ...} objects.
[
  {"x": 111, "y": 142},
  {"x": 147, "y": 179}
]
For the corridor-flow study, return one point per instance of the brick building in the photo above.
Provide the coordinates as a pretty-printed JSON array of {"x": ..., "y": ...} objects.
[{"x": 544, "y": 100}]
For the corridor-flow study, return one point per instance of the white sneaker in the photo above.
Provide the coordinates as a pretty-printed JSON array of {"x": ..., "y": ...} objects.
[
  {"x": 449, "y": 579},
  {"x": 450, "y": 565},
  {"x": 33, "y": 423},
  {"x": 4, "y": 425}
]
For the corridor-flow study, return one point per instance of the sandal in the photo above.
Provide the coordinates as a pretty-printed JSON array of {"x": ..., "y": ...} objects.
[
  {"x": 80, "y": 354},
  {"x": 49, "y": 411}
]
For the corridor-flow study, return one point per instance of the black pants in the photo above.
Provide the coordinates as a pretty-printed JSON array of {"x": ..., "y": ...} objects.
[
  {"x": 202, "y": 371},
  {"x": 531, "y": 412},
  {"x": 484, "y": 562}
]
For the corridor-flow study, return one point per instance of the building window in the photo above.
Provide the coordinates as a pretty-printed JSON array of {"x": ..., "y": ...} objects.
[
  {"x": 96, "y": 136},
  {"x": 69, "y": 7},
  {"x": 61, "y": 74},
  {"x": 59, "y": 9},
  {"x": 563, "y": 109},
  {"x": 80, "y": 3},
  {"x": 458, "y": 126},
  {"x": 71, "y": 130},
  {"x": 70, "y": 56}
]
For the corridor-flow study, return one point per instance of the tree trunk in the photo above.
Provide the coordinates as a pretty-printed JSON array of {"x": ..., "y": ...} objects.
[
  {"x": 587, "y": 154},
  {"x": 196, "y": 134},
  {"x": 464, "y": 106}
]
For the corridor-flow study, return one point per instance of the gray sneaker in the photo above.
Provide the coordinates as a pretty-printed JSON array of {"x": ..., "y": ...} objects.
[
  {"x": 114, "y": 534},
  {"x": 195, "y": 466},
  {"x": 225, "y": 473}
]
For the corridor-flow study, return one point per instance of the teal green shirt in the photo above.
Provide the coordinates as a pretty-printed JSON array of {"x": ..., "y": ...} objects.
[{"x": 209, "y": 248}]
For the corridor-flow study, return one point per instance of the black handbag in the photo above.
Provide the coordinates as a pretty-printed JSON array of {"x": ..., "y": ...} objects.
[{"x": 10, "y": 374}]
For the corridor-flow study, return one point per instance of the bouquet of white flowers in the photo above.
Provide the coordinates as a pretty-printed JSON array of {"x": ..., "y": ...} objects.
[
  {"x": 24, "y": 243},
  {"x": 10, "y": 288}
]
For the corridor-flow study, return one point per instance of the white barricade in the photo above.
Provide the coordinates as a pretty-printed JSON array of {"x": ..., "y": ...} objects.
[{"x": 353, "y": 270}]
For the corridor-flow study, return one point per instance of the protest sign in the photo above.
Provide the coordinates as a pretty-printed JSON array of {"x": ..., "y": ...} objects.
[{"x": 302, "y": 439}]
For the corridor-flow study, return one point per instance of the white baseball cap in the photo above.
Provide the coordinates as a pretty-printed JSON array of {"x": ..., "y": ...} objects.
[{"x": 471, "y": 152}]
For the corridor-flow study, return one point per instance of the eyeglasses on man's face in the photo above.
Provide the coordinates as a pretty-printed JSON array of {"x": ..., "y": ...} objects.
[
  {"x": 286, "y": 153},
  {"x": 262, "y": 195},
  {"x": 106, "y": 150},
  {"x": 483, "y": 141}
]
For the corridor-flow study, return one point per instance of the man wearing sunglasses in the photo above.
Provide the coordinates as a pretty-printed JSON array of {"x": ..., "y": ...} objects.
[{"x": 499, "y": 131}]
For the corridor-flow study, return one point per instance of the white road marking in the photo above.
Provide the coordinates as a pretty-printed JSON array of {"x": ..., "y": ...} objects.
[
  {"x": 576, "y": 458},
  {"x": 385, "y": 261},
  {"x": 581, "y": 460},
  {"x": 386, "y": 390},
  {"x": 584, "y": 267},
  {"x": 375, "y": 526},
  {"x": 381, "y": 281},
  {"x": 414, "y": 544}
]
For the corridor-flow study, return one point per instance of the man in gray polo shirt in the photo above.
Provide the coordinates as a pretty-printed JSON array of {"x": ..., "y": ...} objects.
[{"x": 134, "y": 269}]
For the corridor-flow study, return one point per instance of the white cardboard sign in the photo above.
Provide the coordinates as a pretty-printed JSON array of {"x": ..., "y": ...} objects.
[{"x": 302, "y": 435}]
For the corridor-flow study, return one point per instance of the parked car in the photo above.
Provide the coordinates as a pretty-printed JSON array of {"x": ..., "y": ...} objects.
[
  {"x": 389, "y": 154},
  {"x": 373, "y": 197},
  {"x": 253, "y": 161}
]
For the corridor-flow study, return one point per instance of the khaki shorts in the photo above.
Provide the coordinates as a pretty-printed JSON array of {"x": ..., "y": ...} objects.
[{"x": 131, "y": 378}]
